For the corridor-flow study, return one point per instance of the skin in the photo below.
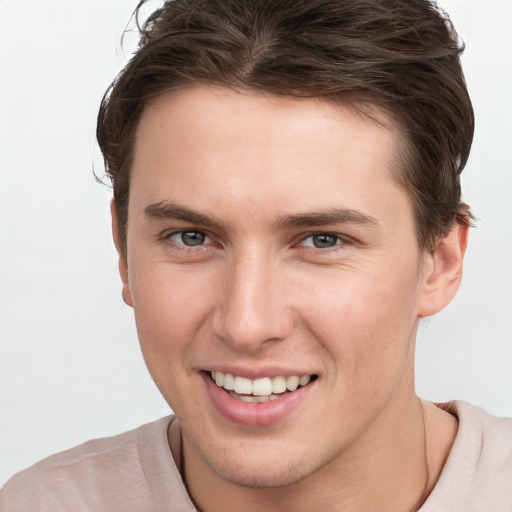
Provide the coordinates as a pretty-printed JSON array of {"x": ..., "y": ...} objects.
[{"x": 258, "y": 294}]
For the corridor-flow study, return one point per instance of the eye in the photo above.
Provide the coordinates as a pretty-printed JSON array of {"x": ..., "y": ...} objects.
[
  {"x": 190, "y": 238},
  {"x": 322, "y": 241}
]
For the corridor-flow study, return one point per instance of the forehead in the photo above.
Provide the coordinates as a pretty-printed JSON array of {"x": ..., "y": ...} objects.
[
  {"x": 214, "y": 147},
  {"x": 198, "y": 110}
]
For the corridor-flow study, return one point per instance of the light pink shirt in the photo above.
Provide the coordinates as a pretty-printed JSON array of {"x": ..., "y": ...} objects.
[{"x": 135, "y": 471}]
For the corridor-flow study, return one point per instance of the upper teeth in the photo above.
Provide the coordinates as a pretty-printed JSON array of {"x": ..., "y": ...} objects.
[{"x": 264, "y": 386}]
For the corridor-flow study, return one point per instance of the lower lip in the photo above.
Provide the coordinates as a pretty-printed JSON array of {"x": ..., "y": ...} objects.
[{"x": 255, "y": 414}]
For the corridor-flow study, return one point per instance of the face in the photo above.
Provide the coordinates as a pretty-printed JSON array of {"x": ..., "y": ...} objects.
[{"x": 269, "y": 247}]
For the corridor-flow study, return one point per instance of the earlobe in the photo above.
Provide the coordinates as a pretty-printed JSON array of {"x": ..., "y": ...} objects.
[
  {"x": 443, "y": 276},
  {"x": 121, "y": 251}
]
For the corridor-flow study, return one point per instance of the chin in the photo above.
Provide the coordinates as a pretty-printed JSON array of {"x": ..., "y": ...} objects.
[
  {"x": 260, "y": 478},
  {"x": 260, "y": 471}
]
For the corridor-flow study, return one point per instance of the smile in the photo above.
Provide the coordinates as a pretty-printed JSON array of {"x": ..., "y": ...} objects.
[{"x": 259, "y": 390}]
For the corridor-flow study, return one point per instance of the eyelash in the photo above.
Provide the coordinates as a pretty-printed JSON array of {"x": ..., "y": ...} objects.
[{"x": 341, "y": 241}]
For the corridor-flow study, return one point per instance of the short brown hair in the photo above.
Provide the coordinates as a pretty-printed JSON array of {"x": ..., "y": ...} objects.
[{"x": 399, "y": 55}]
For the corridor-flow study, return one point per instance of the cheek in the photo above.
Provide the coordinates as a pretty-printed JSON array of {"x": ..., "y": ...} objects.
[
  {"x": 366, "y": 324},
  {"x": 170, "y": 306}
]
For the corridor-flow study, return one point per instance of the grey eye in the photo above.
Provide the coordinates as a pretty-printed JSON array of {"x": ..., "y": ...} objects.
[
  {"x": 189, "y": 238},
  {"x": 322, "y": 241}
]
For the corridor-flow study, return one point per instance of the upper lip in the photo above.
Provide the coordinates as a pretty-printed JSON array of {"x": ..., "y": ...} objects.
[{"x": 257, "y": 372}]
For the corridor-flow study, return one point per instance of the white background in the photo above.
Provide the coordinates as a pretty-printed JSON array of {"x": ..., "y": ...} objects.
[{"x": 70, "y": 365}]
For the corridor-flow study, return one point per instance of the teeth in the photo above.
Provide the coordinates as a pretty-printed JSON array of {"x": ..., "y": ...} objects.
[
  {"x": 254, "y": 399},
  {"x": 303, "y": 380},
  {"x": 262, "y": 389},
  {"x": 292, "y": 382},
  {"x": 278, "y": 385},
  {"x": 246, "y": 398},
  {"x": 229, "y": 381},
  {"x": 243, "y": 386}
]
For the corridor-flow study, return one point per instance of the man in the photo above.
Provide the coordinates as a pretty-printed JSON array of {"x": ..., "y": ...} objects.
[{"x": 286, "y": 209}]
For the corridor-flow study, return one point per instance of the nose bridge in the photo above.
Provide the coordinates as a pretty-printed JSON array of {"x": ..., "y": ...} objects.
[{"x": 253, "y": 308}]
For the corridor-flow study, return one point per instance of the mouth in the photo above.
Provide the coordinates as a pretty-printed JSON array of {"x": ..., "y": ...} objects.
[{"x": 264, "y": 389}]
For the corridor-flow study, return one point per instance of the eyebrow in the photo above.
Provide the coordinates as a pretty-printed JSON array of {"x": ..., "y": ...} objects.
[
  {"x": 323, "y": 218},
  {"x": 166, "y": 210}
]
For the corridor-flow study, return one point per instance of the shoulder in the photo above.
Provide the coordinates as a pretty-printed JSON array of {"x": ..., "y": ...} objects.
[
  {"x": 490, "y": 436},
  {"x": 105, "y": 470},
  {"x": 478, "y": 471}
]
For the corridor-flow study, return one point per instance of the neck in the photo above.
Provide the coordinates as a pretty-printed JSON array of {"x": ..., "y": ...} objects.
[{"x": 393, "y": 466}]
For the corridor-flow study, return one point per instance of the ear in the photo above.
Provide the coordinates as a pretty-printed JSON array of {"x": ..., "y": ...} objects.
[
  {"x": 443, "y": 271},
  {"x": 121, "y": 251}
]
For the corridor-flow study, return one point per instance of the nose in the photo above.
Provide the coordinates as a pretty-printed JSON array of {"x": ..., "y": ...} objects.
[{"x": 254, "y": 307}]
